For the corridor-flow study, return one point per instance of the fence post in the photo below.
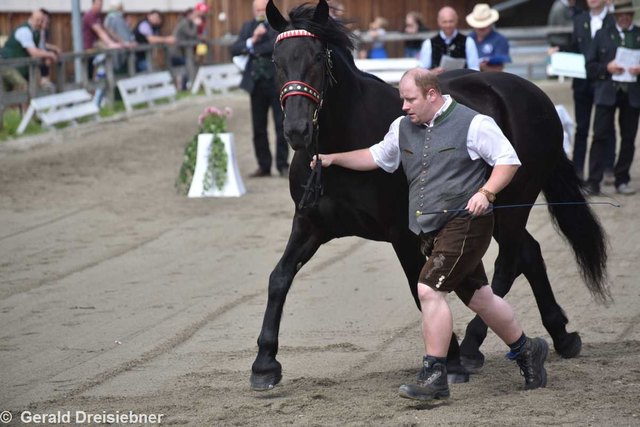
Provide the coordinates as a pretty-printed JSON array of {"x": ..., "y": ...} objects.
[{"x": 110, "y": 81}]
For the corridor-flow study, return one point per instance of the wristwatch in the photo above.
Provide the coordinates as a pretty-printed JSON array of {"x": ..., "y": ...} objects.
[{"x": 491, "y": 197}]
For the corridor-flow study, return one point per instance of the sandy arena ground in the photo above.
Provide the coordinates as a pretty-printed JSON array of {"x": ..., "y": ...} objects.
[{"x": 117, "y": 294}]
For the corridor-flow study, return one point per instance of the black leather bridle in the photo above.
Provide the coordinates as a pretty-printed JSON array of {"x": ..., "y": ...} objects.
[{"x": 313, "y": 188}]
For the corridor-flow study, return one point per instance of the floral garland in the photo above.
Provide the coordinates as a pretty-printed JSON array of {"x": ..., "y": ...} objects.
[{"x": 211, "y": 120}]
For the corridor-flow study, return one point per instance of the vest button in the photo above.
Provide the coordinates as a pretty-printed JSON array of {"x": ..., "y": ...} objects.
[{"x": 421, "y": 204}]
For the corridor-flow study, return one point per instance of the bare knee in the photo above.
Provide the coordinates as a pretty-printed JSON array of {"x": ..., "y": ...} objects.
[
  {"x": 481, "y": 298},
  {"x": 427, "y": 294}
]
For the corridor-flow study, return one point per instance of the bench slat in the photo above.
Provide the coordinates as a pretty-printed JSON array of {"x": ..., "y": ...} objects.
[
  {"x": 216, "y": 77},
  {"x": 58, "y": 99},
  {"x": 146, "y": 89},
  {"x": 151, "y": 94},
  {"x": 60, "y": 107},
  {"x": 68, "y": 114}
]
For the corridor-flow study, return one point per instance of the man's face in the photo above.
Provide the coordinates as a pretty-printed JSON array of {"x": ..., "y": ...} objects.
[
  {"x": 416, "y": 105},
  {"x": 155, "y": 19},
  {"x": 624, "y": 20},
  {"x": 97, "y": 5},
  {"x": 595, "y": 4},
  {"x": 447, "y": 21},
  {"x": 259, "y": 8},
  {"x": 37, "y": 20},
  {"x": 483, "y": 32}
]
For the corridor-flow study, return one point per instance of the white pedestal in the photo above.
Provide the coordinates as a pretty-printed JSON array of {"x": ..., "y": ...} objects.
[{"x": 233, "y": 187}]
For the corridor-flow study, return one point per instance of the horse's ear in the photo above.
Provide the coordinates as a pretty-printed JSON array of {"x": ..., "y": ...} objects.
[
  {"x": 321, "y": 15},
  {"x": 275, "y": 18}
]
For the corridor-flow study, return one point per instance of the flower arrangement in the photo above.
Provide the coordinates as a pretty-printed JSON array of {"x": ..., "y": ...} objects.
[{"x": 211, "y": 120}]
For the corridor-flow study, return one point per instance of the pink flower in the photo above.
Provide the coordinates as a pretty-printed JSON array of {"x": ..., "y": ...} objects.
[
  {"x": 213, "y": 111},
  {"x": 228, "y": 111}
]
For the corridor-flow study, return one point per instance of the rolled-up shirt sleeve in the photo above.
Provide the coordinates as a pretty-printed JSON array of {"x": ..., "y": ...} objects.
[
  {"x": 485, "y": 140},
  {"x": 386, "y": 153}
]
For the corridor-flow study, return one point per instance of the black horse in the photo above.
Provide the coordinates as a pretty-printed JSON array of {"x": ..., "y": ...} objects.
[{"x": 331, "y": 106}]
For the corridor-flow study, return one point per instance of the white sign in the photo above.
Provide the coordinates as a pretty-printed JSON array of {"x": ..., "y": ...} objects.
[
  {"x": 568, "y": 64},
  {"x": 626, "y": 58}
]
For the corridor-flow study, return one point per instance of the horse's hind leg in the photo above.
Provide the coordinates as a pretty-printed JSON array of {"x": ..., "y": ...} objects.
[
  {"x": 568, "y": 345},
  {"x": 509, "y": 232},
  {"x": 531, "y": 264},
  {"x": 303, "y": 243}
]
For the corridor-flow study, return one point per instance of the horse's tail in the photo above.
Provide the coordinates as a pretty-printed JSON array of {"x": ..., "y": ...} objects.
[{"x": 580, "y": 226}]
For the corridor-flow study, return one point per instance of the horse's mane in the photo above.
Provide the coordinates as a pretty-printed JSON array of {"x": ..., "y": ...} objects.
[{"x": 332, "y": 31}]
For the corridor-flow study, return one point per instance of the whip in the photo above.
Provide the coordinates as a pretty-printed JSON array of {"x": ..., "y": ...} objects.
[{"x": 526, "y": 205}]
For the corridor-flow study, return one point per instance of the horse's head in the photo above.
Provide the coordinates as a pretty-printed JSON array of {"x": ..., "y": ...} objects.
[{"x": 303, "y": 66}]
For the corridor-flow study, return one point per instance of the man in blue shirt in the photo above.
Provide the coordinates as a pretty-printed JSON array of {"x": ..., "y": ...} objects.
[{"x": 493, "y": 47}]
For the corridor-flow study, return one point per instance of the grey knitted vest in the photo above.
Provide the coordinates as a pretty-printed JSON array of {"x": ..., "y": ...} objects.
[{"x": 440, "y": 173}]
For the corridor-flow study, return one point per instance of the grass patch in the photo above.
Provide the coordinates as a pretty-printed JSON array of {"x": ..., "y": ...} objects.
[
  {"x": 11, "y": 121},
  {"x": 12, "y": 117}
]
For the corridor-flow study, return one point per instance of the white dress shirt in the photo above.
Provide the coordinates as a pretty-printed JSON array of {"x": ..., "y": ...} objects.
[
  {"x": 484, "y": 140},
  {"x": 470, "y": 49}
]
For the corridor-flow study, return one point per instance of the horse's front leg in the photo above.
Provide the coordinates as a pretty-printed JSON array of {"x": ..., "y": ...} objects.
[{"x": 304, "y": 241}]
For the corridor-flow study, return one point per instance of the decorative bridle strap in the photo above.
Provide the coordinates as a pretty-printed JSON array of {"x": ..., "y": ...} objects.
[
  {"x": 294, "y": 33},
  {"x": 313, "y": 188},
  {"x": 296, "y": 87}
]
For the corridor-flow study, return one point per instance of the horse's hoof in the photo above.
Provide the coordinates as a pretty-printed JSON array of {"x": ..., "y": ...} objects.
[
  {"x": 456, "y": 373},
  {"x": 472, "y": 364},
  {"x": 264, "y": 382},
  {"x": 457, "y": 377},
  {"x": 570, "y": 346}
]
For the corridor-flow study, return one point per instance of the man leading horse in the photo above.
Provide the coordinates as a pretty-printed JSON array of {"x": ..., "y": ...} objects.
[{"x": 446, "y": 150}]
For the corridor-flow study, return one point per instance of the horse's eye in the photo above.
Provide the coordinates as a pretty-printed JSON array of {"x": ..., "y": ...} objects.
[{"x": 319, "y": 57}]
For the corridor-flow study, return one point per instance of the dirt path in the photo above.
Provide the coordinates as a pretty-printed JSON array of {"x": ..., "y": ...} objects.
[{"x": 118, "y": 294}]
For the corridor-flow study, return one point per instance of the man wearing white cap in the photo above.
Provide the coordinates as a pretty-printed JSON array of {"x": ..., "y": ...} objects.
[{"x": 493, "y": 47}]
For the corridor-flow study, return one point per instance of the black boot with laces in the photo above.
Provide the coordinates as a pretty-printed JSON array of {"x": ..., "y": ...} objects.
[
  {"x": 431, "y": 384},
  {"x": 531, "y": 359}
]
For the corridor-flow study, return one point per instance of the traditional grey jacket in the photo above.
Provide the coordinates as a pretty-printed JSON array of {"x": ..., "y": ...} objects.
[{"x": 440, "y": 173}]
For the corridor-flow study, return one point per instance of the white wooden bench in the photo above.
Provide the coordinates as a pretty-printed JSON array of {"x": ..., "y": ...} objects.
[
  {"x": 58, "y": 108},
  {"x": 390, "y": 70},
  {"x": 216, "y": 77},
  {"x": 146, "y": 88}
]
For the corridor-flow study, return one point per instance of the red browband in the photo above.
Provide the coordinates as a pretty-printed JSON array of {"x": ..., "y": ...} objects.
[{"x": 295, "y": 33}]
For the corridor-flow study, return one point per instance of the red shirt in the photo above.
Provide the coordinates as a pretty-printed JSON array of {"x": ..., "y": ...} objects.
[{"x": 89, "y": 36}]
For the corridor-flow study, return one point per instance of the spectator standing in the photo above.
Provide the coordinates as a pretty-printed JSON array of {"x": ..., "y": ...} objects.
[
  {"x": 336, "y": 10},
  {"x": 562, "y": 12},
  {"x": 147, "y": 31},
  {"x": 94, "y": 35},
  {"x": 378, "y": 32},
  {"x": 185, "y": 31},
  {"x": 585, "y": 26},
  {"x": 202, "y": 10},
  {"x": 257, "y": 39},
  {"x": 23, "y": 42},
  {"x": 116, "y": 24},
  {"x": 448, "y": 42},
  {"x": 413, "y": 24},
  {"x": 493, "y": 47},
  {"x": 45, "y": 69},
  {"x": 611, "y": 94}
]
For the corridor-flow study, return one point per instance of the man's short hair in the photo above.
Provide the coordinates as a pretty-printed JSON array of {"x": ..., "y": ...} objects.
[{"x": 424, "y": 80}]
